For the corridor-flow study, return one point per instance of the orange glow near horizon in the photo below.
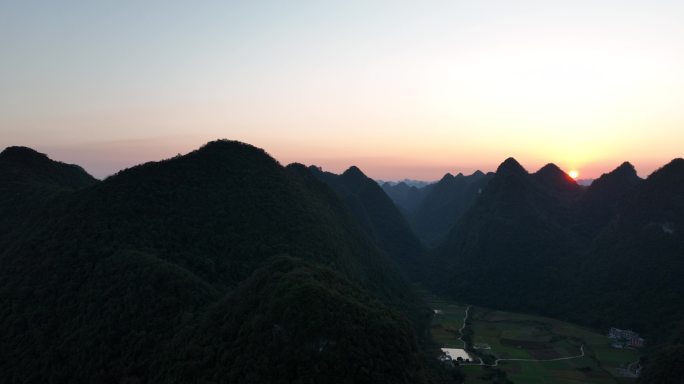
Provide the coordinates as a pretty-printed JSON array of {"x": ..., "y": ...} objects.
[
  {"x": 421, "y": 162},
  {"x": 574, "y": 174},
  {"x": 402, "y": 90}
]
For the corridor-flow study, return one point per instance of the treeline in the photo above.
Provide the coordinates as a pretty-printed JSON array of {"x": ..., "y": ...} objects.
[
  {"x": 602, "y": 256},
  {"x": 217, "y": 266}
]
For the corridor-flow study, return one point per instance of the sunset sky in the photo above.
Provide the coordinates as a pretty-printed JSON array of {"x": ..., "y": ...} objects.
[{"x": 402, "y": 89}]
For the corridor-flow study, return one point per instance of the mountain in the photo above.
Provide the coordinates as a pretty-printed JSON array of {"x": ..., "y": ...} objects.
[
  {"x": 216, "y": 266},
  {"x": 28, "y": 181},
  {"x": 25, "y": 166},
  {"x": 406, "y": 197},
  {"x": 600, "y": 202},
  {"x": 636, "y": 260},
  {"x": 410, "y": 182},
  {"x": 513, "y": 238},
  {"x": 666, "y": 366},
  {"x": 557, "y": 181},
  {"x": 606, "y": 255},
  {"x": 377, "y": 214},
  {"x": 433, "y": 210},
  {"x": 443, "y": 204}
]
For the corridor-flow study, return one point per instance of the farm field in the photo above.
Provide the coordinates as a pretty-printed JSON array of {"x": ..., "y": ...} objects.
[{"x": 506, "y": 335}]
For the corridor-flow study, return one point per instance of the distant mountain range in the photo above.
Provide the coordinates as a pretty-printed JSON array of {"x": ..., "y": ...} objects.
[
  {"x": 378, "y": 216},
  {"x": 224, "y": 266},
  {"x": 607, "y": 255},
  {"x": 609, "y": 252},
  {"x": 409, "y": 182},
  {"x": 216, "y": 266},
  {"x": 434, "y": 209}
]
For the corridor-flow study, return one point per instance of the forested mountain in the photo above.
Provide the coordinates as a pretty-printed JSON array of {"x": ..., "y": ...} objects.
[
  {"x": 600, "y": 202},
  {"x": 26, "y": 167},
  {"x": 514, "y": 235},
  {"x": 557, "y": 182},
  {"x": 28, "y": 181},
  {"x": 443, "y": 204},
  {"x": 606, "y": 255},
  {"x": 638, "y": 259},
  {"x": 223, "y": 266},
  {"x": 406, "y": 197},
  {"x": 217, "y": 266},
  {"x": 666, "y": 366},
  {"x": 433, "y": 210},
  {"x": 378, "y": 216}
]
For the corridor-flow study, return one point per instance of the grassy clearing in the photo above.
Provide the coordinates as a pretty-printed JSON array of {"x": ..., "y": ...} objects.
[{"x": 520, "y": 336}]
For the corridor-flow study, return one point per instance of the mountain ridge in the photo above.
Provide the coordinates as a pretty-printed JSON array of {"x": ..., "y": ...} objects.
[{"x": 126, "y": 280}]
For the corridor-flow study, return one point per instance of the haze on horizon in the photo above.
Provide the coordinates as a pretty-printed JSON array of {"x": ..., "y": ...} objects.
[{"x": 401, "y": 89}]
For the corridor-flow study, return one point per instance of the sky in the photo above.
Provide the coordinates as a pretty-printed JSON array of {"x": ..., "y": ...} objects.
[{"x": 402, "y": 89}]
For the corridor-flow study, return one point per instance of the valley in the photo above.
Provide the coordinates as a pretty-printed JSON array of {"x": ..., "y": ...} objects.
[
  {"x": 528, "y": 348},
  {"x": 209, "y": 266}
]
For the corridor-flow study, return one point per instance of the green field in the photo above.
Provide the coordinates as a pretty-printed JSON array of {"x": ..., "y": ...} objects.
[{"x": 520, "y": 336}]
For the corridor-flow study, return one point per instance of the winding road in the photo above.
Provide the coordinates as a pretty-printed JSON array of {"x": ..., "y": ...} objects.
[
  {"x": 496, "y": 362},
  {"x": 460, "y": 330}
]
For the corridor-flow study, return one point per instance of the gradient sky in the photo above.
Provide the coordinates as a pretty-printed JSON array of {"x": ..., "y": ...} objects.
[{"x": 399, "y": 88}]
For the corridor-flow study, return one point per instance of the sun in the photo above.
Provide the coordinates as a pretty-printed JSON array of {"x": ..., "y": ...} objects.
[{"x": 574, "y": 174}]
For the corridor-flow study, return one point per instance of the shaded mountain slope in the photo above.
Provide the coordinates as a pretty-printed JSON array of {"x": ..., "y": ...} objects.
[
  {"x": 28, "y": 181},
  {"x": 638, "y": 259},
  {"x": 600, "y": 202},
  {"x": 557, "y": 182},
  {"x": 111, "y": 279},
  {"x": 376, "y": 213},
  {"x": 406, "y": 197},
  {"x": 443, "y": 204},
  {"x": 305, "y": 313},
  {"x": 24, "y": 166},
  {"x": 607, "y": 255},
  {"x": 511, "y": 239}
]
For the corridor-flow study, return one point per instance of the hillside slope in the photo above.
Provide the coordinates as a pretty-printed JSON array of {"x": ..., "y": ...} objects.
[
  {"x": 28, "y": 181},
  {"x": 167, "y": 271},
  {"x": 443, "y": 204},
  {"x": 607, "y": 255},
  {"x": 378, "y": 216}
]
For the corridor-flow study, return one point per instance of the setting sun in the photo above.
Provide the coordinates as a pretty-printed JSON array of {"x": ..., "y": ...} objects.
[{"x": 574, "y": 174}]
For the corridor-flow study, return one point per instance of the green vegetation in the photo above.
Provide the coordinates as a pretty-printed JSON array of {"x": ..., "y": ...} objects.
[
  {"x": 379, "y": 218},
  {"x": 434, "y": 209},
  {"x": 537, "y": 243},
  {"x": 292, "y": 322},
  {"x": 217, "y": 266},
  {"x": 666, "y": 366},
  {"x": 224, "y": 266},
  {"x": 444, "y": 202},
  {"x": 28, "y": 182},
  {"x": 505, "y": 335}
]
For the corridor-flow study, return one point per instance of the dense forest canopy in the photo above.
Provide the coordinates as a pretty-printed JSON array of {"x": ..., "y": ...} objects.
[
  {"x": 220, "y": 265},
  {"x": 607, "y": 255},
  {"x": 434, "y": 209},
  {"x": 224, "y": 266},
  {"x": 378, "y": 217}
]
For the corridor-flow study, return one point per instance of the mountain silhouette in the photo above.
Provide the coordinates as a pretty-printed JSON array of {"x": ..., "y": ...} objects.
[
  {"x": 605, "y": 255},
  {"x": 512, "y": 235},
  {"x": 555, "y": 179},
  {"x": 600, "y": 202},
  {"x": 378, "y": 216},
  {"x": 29, "y": 180},
  {"x": 205, "y": 267},
  {"x": 643, "y": 246},
  {"x": 510, "y": 167},
  {"x": 211, "y": 266},
  {"x": 442, "y": 205},
  {"x": 406, "y": 197}
]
